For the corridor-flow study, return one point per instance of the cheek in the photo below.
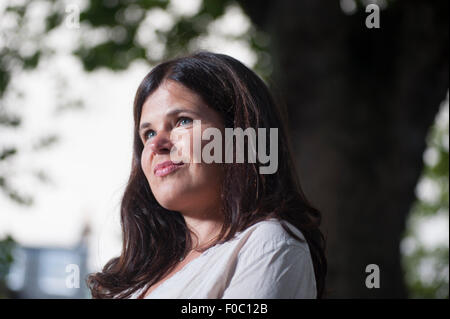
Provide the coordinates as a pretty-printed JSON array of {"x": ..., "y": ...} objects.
[
  {"x": 182, "y": 146},
  {"x": 207, "y": 177},
  {"x": 146, "y": 161}
]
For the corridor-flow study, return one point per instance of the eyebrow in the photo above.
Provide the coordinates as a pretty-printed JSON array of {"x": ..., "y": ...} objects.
[{"x": 170, "y": 113}]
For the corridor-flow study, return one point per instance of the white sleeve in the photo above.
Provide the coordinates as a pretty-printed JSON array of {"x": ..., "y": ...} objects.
[{"x": 283, "y": 272}]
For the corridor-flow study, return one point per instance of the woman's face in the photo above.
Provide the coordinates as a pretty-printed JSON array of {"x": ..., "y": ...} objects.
[{"x": 190, "y": 188}]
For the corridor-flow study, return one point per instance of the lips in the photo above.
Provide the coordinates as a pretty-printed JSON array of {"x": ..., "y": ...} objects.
[{"x": 167, "y": 167}]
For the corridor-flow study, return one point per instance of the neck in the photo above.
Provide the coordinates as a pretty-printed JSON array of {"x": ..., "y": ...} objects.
[{"x": 205, "y": 225}]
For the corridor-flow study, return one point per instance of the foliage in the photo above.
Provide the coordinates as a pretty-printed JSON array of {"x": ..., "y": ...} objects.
[
  {"x": 124, "y": 22},
  {"x": 427, "y": 268},
  {"x": 6, "y": 259},
  {"x": 20, "y": 51}
]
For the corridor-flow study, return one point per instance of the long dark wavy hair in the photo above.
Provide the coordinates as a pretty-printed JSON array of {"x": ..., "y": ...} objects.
[{"x": 154, "y": 238}]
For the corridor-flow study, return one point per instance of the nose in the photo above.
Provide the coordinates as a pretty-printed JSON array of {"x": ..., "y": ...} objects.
[{"x": 161, "y": 143}]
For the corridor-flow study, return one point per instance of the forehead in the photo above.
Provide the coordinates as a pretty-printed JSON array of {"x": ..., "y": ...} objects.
[{"x": 170, "y": 95}]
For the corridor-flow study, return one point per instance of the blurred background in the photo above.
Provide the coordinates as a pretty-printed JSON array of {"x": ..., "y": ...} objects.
[{"x": 368, "y": 109}]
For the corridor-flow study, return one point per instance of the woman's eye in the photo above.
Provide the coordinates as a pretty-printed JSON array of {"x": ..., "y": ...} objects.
[
  {"x": 148, "y": 134},
  {"x": 184, "y": 120}
]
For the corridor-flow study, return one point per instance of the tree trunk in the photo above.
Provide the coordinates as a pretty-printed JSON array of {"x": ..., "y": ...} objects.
[{"x": 360, "y": 103}]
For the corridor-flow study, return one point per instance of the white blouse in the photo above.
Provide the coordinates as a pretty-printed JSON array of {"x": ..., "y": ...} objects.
[{"x": 263, "y": 261}]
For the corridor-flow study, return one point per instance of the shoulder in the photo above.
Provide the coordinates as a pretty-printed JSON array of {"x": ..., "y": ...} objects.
[
  {"x": 269, "y": 235},
  {"x": 271, "y": 264}
]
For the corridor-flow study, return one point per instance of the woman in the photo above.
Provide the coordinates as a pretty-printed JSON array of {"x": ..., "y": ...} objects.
[{"x": 210, "y": 229}]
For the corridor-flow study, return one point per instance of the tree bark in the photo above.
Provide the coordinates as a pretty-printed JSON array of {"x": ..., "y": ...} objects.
[{"x": 360, "y": 102}]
